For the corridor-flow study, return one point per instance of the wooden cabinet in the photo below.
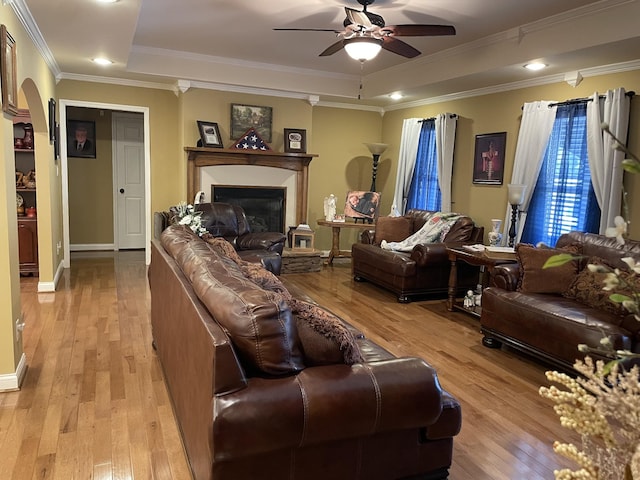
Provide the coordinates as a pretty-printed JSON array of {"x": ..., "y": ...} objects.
[{"x": 26, "y": 193}]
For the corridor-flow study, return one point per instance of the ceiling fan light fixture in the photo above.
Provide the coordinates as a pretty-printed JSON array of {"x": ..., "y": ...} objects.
[{"x": 363, "y": 48}]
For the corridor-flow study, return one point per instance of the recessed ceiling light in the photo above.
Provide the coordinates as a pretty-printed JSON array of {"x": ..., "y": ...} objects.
[
  {"x": 535, "y": 66},
  {"x": 395, "y": 96},
  {"x": 102, "y": 61}
]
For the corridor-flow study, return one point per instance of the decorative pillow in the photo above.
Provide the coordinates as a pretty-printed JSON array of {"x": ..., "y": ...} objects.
[
  {"x": 588, "y": 288},
  {"x": 392, "y": 229},
  {"x": 325, "y": 339},
  {"x": 535, "y": 279}
]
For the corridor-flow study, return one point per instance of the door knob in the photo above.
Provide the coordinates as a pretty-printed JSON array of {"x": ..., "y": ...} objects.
[{"x": 122, "y": 190}]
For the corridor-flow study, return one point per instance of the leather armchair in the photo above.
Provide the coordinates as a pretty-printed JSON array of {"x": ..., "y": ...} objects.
[{"x": 230, "y": 222}]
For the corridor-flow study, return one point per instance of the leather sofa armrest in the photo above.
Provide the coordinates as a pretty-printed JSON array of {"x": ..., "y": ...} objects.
[
  {"x": 506, "y": 276},
  {"x": 303, "y": 410},
  {"x": 367, "y": 236},
  {"x": 272, "y": 241},
  {"x": 430, "y": 254}
]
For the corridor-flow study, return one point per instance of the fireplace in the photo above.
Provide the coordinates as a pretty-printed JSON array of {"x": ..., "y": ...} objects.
[{"x": 264, "y": 207}]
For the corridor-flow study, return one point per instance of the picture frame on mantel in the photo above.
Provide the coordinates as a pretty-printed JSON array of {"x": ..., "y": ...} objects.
[
  {"x": 244, "y": 117},
  {"x": 8, "y": 69},
  {"x": 488, "y": 161},
  {"x": 295, "y": 140},
  {"x": 209, "y": 134}
]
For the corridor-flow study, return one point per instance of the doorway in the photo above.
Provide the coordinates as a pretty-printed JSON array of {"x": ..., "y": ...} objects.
[{"x": 144, "y": 189}]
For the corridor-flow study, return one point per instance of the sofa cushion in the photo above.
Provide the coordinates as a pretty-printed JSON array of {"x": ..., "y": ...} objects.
[
  {"x": 535, "y": 279},
  {"x": 587, "y": 288},
  {"x": 392, "y": 229},
  {"x": 324, "y": 337},
  {"x": 259, "y": 322}
]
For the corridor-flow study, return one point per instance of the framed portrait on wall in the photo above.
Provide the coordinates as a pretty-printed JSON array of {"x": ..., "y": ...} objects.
[
  {"x": 488, "y": 161},
  {"x": 8, "y": 67},
  {"x": 81, "y": 138}
]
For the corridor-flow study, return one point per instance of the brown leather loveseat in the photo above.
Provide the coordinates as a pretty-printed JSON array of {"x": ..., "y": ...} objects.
[
  {"x": 549, "y": 312},
  {"x": 265, "y": 386},
  {"x": 423, "y": 271}
]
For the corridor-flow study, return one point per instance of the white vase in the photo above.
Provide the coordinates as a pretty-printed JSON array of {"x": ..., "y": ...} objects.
[{"x": 495, "y": 236}]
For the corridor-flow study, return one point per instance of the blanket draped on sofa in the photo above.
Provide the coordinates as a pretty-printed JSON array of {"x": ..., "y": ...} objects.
[{"x": 434, "y": 229}]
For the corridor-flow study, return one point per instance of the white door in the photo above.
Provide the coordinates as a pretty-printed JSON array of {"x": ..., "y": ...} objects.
[{"x": 129, "y": 175}]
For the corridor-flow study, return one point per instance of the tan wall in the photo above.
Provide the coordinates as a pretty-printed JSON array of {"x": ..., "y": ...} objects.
[
  {"x": 91, "y": 183},
  {"x": 502, "y": 112},
  {"x": 37, "y": 85}
]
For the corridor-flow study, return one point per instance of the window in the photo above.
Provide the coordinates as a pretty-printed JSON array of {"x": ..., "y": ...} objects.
[
  {"x": 424, "y": 192},
  {"x": 563, "y": 198}
]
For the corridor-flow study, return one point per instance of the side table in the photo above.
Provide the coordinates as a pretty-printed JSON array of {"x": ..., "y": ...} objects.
[
  {"x": 335, "y": 251},
  {"x": 486, "y": 263}
]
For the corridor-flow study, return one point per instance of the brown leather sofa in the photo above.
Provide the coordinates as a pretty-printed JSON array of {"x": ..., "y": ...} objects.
[
  {"x": 425, "y": 270},
  {"x": 255, "y": 400},
  {"x": 230, "y": 222},
  {"x": 548, "y": 313}
]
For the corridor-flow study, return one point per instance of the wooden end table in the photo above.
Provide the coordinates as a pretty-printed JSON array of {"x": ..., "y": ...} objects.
[
  {"x": 335, "y": 251},
  {"x": 486, "y": 261}
]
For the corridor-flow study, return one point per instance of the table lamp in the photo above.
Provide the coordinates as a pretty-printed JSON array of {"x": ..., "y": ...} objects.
[
  {"x": 516, "y": 197},
  {"x": 376, "y": 150}
]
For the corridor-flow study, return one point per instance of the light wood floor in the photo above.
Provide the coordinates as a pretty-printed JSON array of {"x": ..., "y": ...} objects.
[{"x": 94, "y": 406}]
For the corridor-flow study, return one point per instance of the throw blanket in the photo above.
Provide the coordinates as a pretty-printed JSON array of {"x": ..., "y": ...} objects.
[{"x": 434, "y": 230}]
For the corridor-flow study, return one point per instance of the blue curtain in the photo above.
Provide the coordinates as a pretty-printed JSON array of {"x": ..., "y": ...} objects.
[
  {"x": 563, "y": 198},
  {"x": 424, "y": 192}
]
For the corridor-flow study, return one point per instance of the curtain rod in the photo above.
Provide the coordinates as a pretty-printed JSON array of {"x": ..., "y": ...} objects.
[
  {"x": 585, "y": 100},
  {"x": 453, "y": 115}
]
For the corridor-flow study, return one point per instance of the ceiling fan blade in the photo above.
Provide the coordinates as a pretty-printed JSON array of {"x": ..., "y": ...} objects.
[
  {"x": 307, "y": 30},
  {"x": 418, "y": 30},
  {"x": 336, "y": 47},
  {"x": 358, "y": 17},
  {"x": 399, "y": 47}
]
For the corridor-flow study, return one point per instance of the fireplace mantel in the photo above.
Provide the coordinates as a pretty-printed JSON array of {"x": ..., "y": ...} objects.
[{"x": 198, "y": 157}]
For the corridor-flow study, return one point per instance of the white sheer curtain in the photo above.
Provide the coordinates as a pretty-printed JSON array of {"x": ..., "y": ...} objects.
[
  {"x": 535, "y": 130},
  {"x": 406, "y": 163},
  {"x": 604, "y": 162},
  {"x": 445, "y": 139}
]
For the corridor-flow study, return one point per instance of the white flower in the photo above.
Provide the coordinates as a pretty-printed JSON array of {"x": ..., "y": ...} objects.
[
  {"x": 633, "y": 265},
  {"x": 611, "y": 281},
  {"x": 619, "y": 231}
]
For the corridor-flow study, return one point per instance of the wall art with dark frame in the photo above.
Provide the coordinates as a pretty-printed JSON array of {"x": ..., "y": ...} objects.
[
  {"x": 52, "y": 120},
  {"x": 244, "y": 117},
  {"x": 209, "y": 134},
  {"x": 81, "y": 138},
  {"x": 8, "y": 69},
  {"x": 488, "y": 161},
  {"x": 295, "y": 140}
]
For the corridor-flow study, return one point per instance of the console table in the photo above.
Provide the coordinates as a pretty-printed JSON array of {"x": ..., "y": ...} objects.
[{"x": 335, "y": 251}]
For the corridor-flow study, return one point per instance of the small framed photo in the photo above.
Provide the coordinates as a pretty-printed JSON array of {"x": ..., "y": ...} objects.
[
  {"x": 295, "y": 140},
  {"x": 81, "y": 138},
  {"x": 8, "y": 67},
  {"x": 488, "y": 162},
  {"x": 362, "y": 205},
  {"x": 52, "y": 120},
  {"x": 210, "y": 134},
  {"x": 244, "y": 117}
]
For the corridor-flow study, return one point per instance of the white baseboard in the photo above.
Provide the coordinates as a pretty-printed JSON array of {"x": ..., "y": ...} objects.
[
  {"x": 12, "y": 381},
  {"x": 48, "y": 287},
  {"x": 90, "y": 247}
]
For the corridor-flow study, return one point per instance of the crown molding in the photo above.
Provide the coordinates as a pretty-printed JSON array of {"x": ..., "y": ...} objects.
[
  {"x": 24, "y": 15},
  {"x": 117, "y": 81}
]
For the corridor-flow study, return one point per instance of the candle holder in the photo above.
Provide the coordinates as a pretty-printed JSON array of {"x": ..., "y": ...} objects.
[
  {"x": 516, "y": 197},
  {"x": 376, "y": 150}
]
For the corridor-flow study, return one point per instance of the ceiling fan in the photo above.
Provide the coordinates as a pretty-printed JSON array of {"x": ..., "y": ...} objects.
[{"x": 366, "y": 33}]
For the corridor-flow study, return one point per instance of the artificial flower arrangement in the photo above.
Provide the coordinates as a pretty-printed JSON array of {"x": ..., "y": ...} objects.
[
  {"x": 602, "y": 403},
  {"x": 186, "y": 214}
]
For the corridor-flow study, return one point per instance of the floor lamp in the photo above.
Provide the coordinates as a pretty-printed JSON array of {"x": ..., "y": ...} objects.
[
  {"x": 516, "y": 197},
  {"x": 376, "y": 150}
]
